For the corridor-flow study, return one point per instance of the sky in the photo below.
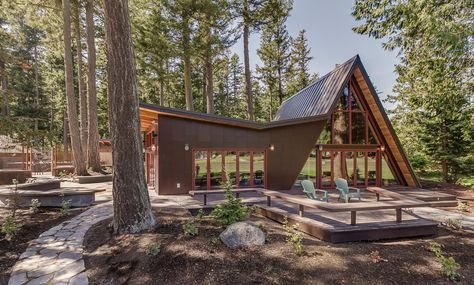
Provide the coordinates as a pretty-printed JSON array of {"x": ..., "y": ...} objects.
[{"x": 328, "y": 25}]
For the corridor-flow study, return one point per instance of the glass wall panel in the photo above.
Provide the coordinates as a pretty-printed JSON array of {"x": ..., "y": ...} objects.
[
  {"x": 372, "y": 167},
  {"x": 200, "y": 170},
  {"x": 231, "y": 166},
  {"x": 325, "y": 136},
  {"x": 244, "y": 169},
  {"x": 216, "y": 169},
  {"x": 387, "y": 176},
  {"x": 360, "y": 171},
  {"x": 341, "y": 127},
  {"x": 326, "y": 169},
  {"x": 258, "y": 169},
  {"x": 358, "y": 128},
  {"x": 348, "y": 168}
]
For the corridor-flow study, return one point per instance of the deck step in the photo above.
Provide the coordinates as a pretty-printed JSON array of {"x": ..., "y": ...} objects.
[{"x": 444, "y": 203}]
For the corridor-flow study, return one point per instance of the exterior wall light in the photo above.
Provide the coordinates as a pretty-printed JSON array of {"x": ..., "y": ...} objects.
[
  {"x": 382, "y": 148},
  {"x": 153, "y": 147},
  {"x": 186, "y": 147},
  {"x": 272, "y": 147},
  {"x": 320, "y": 147}
]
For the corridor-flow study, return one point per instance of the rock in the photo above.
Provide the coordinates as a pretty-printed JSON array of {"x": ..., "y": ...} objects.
[{"x": 242, "y": 234}]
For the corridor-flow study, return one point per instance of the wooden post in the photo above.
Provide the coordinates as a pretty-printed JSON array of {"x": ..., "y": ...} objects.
[
  {"x": 23, "y": 157},
  {"x": 301, "y": 211},
  {"x": 353, "y": 218},
  {"x": 31, "y": 158},
  {"x": 399, "y": 215},
  {"x": 378, "y": 196},
  {"x": 269, "y": 201},
  {"x": 205, "y": 199}
]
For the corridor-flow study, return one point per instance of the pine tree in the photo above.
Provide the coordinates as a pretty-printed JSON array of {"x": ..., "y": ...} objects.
[
  {"x": 132, "y": 209},
  {"x": 274, "y": 53},
  {"x": 298, "y": 74},
  {"x": 435, "y": 74}
]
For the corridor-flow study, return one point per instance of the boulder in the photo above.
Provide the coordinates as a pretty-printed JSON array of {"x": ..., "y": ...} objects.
[{"x": 242, "y": 234}]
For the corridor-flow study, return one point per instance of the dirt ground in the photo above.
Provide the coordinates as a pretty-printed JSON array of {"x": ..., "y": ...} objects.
[
  {"x": 33, "y": 226},
  {"x": 204, "y": 260}
]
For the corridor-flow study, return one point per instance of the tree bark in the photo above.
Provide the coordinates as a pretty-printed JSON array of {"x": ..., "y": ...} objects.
[
  {"x": 35, "y": 68},
  {"x": 3, "y": 89},
  {"x": 209, "y": 85},
  {"x": 188, "y": 89},
  {"x": 132, "y": 209},
  {"x": 78, "y": 155},
  {"x": 248, "y": 78},
  {"x": 93, "y": 157},
  {"x": 80, "y": 79}
]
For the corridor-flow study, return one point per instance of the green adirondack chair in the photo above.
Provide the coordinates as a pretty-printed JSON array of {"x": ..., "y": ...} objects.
[
  {"x": 310, "y": 191},
  {"x": 346, "y": 192}
]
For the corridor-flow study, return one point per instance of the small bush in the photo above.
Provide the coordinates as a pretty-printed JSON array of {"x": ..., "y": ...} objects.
[
  {"x": 10, "y": 227},
  {"x": 449, "y": 266},
  {"x": 293, "y": 236},
  {"x": 153, "y": 249},
  {"x": 453, "y": 224},
  {"x": 34, "y": 207},
  {"x": 463, "y": 206},
  {"x": 65, "y": 207},
  {"x": 215, "y": 240},
  {"x": 200, "y": 215},
  {"x": 190, "y": 229},
  {"x": 232, "y": 210}
]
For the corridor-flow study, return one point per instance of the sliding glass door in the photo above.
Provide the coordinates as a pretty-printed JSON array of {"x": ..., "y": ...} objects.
[{"x": 243, "y": 167}]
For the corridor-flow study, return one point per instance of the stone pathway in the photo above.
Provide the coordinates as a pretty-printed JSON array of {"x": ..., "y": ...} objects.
[
  {"x": 55, "y": 257},
  {"x": 442, "y": 216}
]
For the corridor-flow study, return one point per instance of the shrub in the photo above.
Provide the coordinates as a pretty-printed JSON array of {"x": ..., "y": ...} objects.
[
  {"x": 200, "y": 215},
  {"x": 293, "y": 236},
  {"x": 453, "y": 224},
  {"x": 418, "y": 161},
  {"x": 449, "y": 266},
  {"x": 153, "y": 249},
  {"x": 232, "y": 210},
  {"x": 463, "y": 206},
  {"x": 34, "y": 207},
  {"x": 190, "y": 229},
  {"x": 65, "y": 207},
  {"x": 10, "y": 227},
  {"x": 215, "y": 240}
]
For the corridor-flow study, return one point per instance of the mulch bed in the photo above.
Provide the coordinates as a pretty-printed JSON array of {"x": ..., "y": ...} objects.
[
  {"x": 204, "y": 260},
  {"x": 33, "y": 226}
]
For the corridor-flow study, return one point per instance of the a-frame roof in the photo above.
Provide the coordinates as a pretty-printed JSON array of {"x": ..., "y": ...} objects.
[
  {"x": 320, "y": 99},
  {"x": 317, "y": 98}
]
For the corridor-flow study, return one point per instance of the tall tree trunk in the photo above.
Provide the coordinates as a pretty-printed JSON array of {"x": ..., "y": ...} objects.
[
  {"x": 80, "y": 79},
  {"x": 79, "y": 161},
  {"x": 248, "y": 78},
  {"x": 188, "y": 89},
  {"x": 209, "y": 85},
  {"x": 93, "y": 157},
  {"x": 65, "y": 136},
  {"x": 132, "y": 209},
  {"x": 35, "y": 68},
  {"x": 3, "y": 89}
]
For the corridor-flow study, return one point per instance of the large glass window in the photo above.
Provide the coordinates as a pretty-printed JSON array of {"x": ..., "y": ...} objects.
[
  {"x": 308, "y": 172},
  {"x": 200, "y": 170},
  {"x": 258, "y": 168},
  {"x": 244, "y": 169},
  {"x": 216, "y": 169},
  {"x": 231, "y": 166},
  {"x": 387, "y": 175}
]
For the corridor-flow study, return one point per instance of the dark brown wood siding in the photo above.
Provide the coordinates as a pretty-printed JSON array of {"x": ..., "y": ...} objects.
[{"x": 292, "y": 147}]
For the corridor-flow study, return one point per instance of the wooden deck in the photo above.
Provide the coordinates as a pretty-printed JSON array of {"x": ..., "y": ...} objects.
[{"x": 333, "y": 222}]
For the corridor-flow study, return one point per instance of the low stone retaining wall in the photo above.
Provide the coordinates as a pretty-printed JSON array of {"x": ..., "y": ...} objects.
[
  {"x": 7, "y": 175},
  {"x": 53, "y": 198}
]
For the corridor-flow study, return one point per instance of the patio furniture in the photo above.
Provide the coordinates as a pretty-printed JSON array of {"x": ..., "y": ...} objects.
[
  {"x": 311, "y": 192},
  {"x": 346, "y": 192}
]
